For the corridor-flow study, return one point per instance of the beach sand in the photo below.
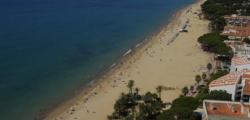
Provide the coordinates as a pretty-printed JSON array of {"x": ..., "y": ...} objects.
[{"x": 170, "y": 58}]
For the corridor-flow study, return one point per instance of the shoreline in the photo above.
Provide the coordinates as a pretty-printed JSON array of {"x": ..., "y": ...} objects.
[
  {"x": 96, "y": 79},
  {"x": 84, "y": 91}
]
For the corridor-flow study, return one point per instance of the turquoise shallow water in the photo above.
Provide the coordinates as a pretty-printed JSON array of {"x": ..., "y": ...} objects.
[{"x": 48, "y": 48}]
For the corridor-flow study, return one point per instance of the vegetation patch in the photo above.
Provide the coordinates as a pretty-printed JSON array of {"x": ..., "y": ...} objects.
[{"x": 213, "y": 42}]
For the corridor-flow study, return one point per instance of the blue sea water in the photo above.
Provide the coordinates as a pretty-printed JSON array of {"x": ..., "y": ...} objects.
[{"x": 48, "y": 48}]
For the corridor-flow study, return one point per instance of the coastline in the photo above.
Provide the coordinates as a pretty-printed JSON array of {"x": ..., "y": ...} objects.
[
  {"x": 97, "y": 78},
  {"x": 65, "y": 108}
]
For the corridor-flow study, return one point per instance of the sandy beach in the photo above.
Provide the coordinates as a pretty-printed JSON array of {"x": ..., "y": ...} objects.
[{"x": 170, "y": 58}]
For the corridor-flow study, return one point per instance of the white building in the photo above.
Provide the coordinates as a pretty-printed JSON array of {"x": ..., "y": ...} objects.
[
  {"x": 239, "y": 64},
  {"x": 227, "y": 83},
  {"x": 237, "y": 28},
  {"x": 235, "y": 83},
  {"x": 244, "y": 84}
]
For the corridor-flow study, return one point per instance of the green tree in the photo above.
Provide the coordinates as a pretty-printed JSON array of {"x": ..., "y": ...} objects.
[
  {"x": 185, "y": 102},
  {"x": 214, "y": 42},
  {"x": 214, "y": 10},
  {"x": 182, "y": 109},
  {"x": 159, "y": 90},
  {"x": 177, "y": 114},
  {"x": 121, "y": 106},
  {"x": 202, "y": 94},
  {"x": 130, "y": 86},
  {"x": 191, "y": 88},
  {"x": 218, "y": 24},
  {"x": 209, "y": 66},
  {"x": 137, "y": 90},
  {"x": 138, "y": 107},
  {"x": 212, "y": 95},
  {"x": 218, "y": 95},
  {"x": 185, "y": 90},
  {"x": 204, "y": 76},
  {"x": 198, "y": 78},
  {"x": 151, "y": 107},
  {"x": 124, "y": 107}
]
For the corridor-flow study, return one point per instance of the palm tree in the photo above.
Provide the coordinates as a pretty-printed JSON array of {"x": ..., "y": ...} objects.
[
  {"x": 130, "y": 86},
  {"x": 136, "y": 95},
  {"x": 137, "y": 91},
  {"x": 191, "y": 87},
  {"x": 134, "y": 112},
  {"x": 209, "y": 66},
  {"x": 159, "y": 90},
  {"x": 204, "y": 76},
  {"x": 185, "y": 90},
  {"x": 197, "y": 78}
]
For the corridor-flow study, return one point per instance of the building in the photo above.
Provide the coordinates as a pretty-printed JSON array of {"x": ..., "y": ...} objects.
[
  {"x": 235, "y": 83},
  {"x": 225, "y": 110},
  {"x": 239, "y": 48},
  {"x": 239, "y": 64},
  {"x": 245, "y": 94},
  {"x": 227, "y": 83},
  {"x": 238, "y": 27}
]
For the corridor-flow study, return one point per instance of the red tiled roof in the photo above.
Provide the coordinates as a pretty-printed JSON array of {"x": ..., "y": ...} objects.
[
  {"x": 246, "y": 76},
  {"x": 226, "y": 108},
  {"x": 246, "y": 89},
  {"x": 229, "y": 79},
  {"x": 240, "y": 30},
  {"x": 236, "y": 31},
  {"x": 236, "y": 17},
  {"x": 240, "y": 61}
]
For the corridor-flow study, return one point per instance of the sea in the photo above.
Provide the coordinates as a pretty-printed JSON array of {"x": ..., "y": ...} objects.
[{"x": 50, "y": 48}]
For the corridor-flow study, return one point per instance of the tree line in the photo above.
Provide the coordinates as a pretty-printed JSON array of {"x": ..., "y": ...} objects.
[
  {"x": 149, "y": 106},
  {"x": 214, "y": 10}
]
